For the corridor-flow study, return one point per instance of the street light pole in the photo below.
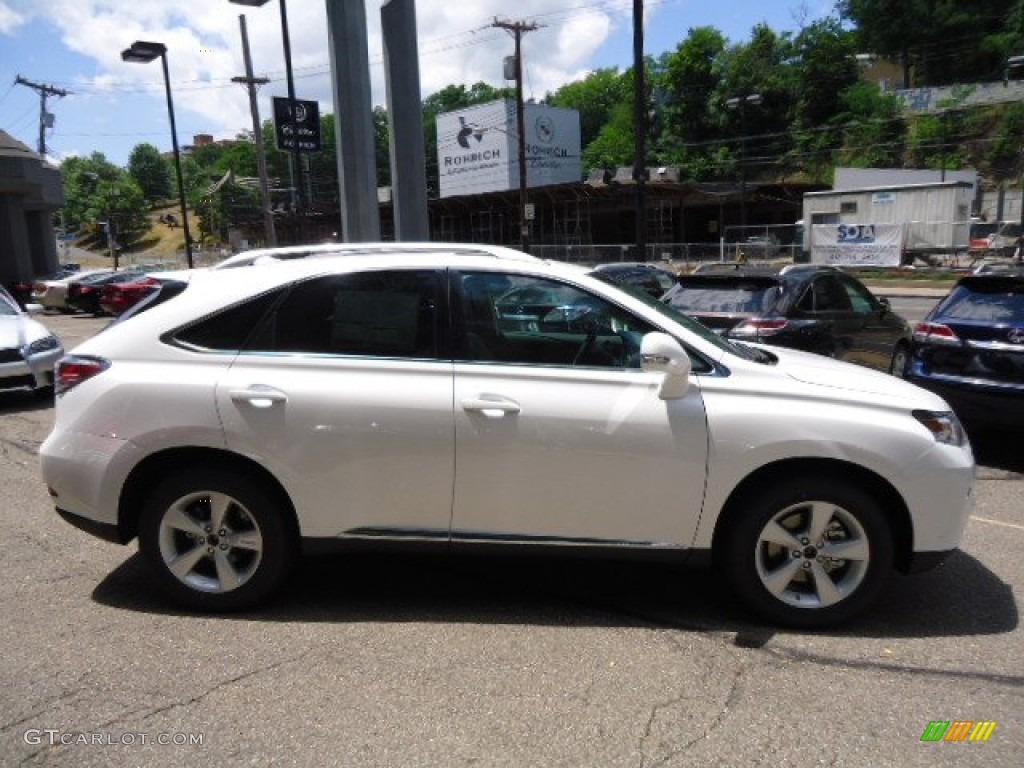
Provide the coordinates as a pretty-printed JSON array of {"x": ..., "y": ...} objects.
[
  {"x": 143, "y": 52},
  {"x": 293, "y": 113}
]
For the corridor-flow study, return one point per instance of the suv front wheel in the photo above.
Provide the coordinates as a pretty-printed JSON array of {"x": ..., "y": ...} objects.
[{"x": 808, "y": 553}]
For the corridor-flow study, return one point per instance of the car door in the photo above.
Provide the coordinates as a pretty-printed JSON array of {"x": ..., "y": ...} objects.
[
  {"x": 345, "y": 394},
  {"x": 559, "y": 436},
  {"x": 876, "y": 329}
]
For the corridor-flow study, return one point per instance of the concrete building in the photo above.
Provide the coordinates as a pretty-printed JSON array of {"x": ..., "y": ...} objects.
[{"x": 30, "y": 193}]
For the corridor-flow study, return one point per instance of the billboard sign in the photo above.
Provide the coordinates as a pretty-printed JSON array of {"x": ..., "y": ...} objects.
[
  {"x": 307, "y": 124},
  {"x": 857, "y": 245},
  {"x": 478, "y": 150}
]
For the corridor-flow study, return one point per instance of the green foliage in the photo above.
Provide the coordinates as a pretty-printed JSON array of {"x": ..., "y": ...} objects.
[
  {"x": 595, "y": 97},
  {"x": 1004, "y": 157},
  {"x": 151, "y": 172},
  {"x": 940, "y": 41},
  {"x": 97, "y": 191}
]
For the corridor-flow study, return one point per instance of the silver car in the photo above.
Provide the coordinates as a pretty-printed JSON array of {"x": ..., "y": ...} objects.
[{"x": 28, "y": 351}]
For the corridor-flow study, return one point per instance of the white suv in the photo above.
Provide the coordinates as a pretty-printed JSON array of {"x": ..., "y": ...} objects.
[{"x": 473, "y": 395}]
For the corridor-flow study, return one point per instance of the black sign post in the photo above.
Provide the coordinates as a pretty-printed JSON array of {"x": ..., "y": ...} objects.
[{"x": 306, "y": 124}]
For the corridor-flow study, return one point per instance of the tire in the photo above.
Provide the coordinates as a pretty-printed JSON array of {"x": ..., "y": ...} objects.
[
  {"x": 228, "y": 566},
  {"x": 782, "y": 552},
  {"x": 900, "y": 361}
]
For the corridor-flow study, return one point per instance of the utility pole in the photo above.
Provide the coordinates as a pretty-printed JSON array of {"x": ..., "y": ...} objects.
[
  {"x": 517, "y": 29},
  {"x": 257, "y": 133},
  {"x": 640, "y": 126},
  {"x": 45, "y": 118}
]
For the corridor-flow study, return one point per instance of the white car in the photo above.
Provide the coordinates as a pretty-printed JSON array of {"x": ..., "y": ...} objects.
[
  {"x": 28, "y": 351},
  {"x": 53, "y": 294},
  {"x": 473, "y": 396}
]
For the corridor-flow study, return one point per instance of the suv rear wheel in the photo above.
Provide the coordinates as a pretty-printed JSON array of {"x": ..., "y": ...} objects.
[{"x": 215, "y": 539}]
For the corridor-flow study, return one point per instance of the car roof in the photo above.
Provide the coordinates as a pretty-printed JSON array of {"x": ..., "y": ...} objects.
[{"x": 323, "y": 250}]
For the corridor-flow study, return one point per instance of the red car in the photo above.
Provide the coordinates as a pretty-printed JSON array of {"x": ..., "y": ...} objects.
[{"x": 119, "y": 297}]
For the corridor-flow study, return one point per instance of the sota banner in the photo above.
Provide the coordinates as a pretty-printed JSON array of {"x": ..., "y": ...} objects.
[{"x": 857, "y": 245}]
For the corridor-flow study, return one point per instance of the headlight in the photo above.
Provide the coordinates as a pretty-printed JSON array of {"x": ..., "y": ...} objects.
[
  {"x": 944, "y": 426},
  {"x": 44, "y": 344}
]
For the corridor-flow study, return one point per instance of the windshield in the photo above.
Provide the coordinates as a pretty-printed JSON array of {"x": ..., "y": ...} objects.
[
  {"x": 993, "y": 300},
  {"x": 678, "y": 317}
]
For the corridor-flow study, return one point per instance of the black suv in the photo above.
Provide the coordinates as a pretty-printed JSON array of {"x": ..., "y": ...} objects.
[{"x": 817, "y": 309}]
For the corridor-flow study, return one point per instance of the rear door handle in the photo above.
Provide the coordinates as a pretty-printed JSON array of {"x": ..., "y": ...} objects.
[
  {"x": 491, "y": 406},
  {"x": 258, "y": 396}
]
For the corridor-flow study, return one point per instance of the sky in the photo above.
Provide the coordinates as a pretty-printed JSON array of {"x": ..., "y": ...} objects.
[{"x": 111, "y": 106}]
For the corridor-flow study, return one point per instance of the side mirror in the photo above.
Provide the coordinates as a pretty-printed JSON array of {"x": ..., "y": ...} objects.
[
  {"x": 660, "y": 353},
  {"x": 34, "y": 309}
]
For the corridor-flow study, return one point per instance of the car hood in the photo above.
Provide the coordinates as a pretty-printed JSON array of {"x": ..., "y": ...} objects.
[
  {"x": 12, "y": 331},
  {"x": 818, "y": 370}
]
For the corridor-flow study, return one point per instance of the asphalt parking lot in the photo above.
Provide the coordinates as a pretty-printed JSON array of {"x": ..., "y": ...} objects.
[{"x": 408, "y": 661}]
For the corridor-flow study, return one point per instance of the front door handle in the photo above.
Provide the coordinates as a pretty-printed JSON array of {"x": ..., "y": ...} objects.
[
  {"x": 258, "y": 396},
  {"x": 491, "y": 406}
]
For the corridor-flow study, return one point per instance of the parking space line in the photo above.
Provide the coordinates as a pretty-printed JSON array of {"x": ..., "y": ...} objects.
[{"x": 997, "y": 522}]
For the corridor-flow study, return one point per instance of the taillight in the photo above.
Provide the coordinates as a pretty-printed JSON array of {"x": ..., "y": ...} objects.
[
  {"x": 758, "y": 326},
  {"x": 72, "y": 370},
  {"x": 935, "y": 333}
]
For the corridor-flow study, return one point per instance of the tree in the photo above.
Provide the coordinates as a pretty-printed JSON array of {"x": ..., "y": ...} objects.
[
  {"x": 596, "y": 97},
  {"x": 151, "y": 172},
  {"x": 939, "y": 42}
]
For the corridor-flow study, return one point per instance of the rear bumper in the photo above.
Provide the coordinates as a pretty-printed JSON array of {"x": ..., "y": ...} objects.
[{"x": 104, "y": 531}]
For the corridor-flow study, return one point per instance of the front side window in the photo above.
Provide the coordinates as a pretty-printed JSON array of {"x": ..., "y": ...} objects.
[
  {"x": 521, "y": 319},
  {"x": 859, "y": 296}
]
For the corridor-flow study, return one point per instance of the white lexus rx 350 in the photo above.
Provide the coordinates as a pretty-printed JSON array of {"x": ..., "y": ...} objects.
[{"x": 473, "y": 395}]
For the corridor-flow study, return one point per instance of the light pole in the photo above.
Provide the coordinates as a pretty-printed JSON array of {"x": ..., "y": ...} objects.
[
  {"x": 741, "y": 103},
  {"x": 1013, "y": 62},
  {"x": 143, "y": 52},
  {"x": 293, "y": 112}
]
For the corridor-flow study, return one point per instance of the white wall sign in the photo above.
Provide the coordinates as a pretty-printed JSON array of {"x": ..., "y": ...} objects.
[
  {"x": 477, "y": 148},
  {"x": 857, "y": 245}
]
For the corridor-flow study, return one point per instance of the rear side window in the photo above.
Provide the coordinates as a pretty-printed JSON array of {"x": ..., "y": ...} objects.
[
  {"x": 372, "y": 314},
  {"x": 228, "y": 330},
  {"x": 989, "y": 301}
]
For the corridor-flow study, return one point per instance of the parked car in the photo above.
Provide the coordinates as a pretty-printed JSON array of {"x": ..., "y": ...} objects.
[
  {"x": 970, "y": 350},
  {"x": 116, "y": 298},
  {"x": 21, "y": 290},
  {"x": 645, "y": 276},
  {"x": 817, "y": 309},
  {"x": 53, "y": 294},
  {"x": 1005, "y": 240},
  {"x": 84, "y": 295},
  {"x": 28, "y": 351},
  {"x": 327, "y": 403}
]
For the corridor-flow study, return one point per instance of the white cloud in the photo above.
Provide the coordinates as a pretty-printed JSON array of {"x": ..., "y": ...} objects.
[
  {"x": 458, "y": 45},
  {"x": 10, "y": 19}
]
